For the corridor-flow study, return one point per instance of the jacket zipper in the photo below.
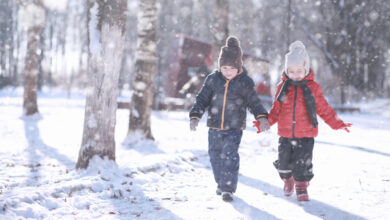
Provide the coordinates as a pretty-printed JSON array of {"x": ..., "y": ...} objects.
[
  {"x": 224, "y": 103},
  {"x": 295, "y": 103}
]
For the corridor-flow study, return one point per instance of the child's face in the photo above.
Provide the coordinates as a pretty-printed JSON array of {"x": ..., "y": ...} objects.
[
  {"x": 296, "y": 73},
  {"x": 229, "y": 72}
]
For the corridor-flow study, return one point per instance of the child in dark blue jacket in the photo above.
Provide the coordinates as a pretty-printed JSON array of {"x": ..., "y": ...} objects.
[{"x": 227, "y": 93}]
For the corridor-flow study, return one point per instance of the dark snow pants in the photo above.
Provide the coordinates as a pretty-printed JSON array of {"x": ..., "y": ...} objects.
[
  {"x": 295, "y": 158},
  {"x": 224, "y": 158}
]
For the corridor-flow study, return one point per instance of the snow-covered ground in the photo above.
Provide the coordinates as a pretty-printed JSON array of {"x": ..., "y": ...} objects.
[{"x": 171, "y": 178}]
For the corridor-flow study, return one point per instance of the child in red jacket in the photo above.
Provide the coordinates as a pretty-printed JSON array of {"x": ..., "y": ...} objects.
[{"x": 297, "y": 102}]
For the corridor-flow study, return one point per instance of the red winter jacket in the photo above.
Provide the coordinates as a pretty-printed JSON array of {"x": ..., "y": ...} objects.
[{"x": 284, "y": 112}]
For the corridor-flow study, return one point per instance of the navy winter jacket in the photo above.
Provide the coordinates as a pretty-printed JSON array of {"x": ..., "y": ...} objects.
[{"x": 227, "y": 101}]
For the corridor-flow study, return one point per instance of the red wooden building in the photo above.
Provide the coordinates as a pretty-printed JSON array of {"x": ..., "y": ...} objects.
[{"x": 191, "y": 61}]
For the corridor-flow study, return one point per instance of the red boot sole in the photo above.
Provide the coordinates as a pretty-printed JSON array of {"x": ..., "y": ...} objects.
[{"x": 303, "y": 198}]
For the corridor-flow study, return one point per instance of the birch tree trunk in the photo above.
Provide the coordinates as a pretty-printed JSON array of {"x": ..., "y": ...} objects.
[
  {"x": 36, "y": 16},
  {"x": 185, "y": 16},
  {"x": 16, "y": 47},
  {"x": 106, "y": 27},
  {"x": 145, "y": 69},
  {"x": 7, "y": 21},
  {"x": 220, "y": 26}
]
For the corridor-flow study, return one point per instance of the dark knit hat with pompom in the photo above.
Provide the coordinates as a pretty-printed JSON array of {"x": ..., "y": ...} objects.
[{"x": 231, "y": 54}]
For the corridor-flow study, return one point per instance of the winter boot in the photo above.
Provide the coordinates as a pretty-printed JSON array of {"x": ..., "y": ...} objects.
[
  {"x": 227, "y": 196},
  {"x": 218, "y": 191},
  {"x": 301, "y": 190},
  {"x": 288, "y": 186}
]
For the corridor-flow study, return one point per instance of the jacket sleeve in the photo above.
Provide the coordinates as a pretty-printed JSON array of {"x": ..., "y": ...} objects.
[
  {"x": 325, "y": 111},
  {"x": 202, "y": 99},
  {"x": 253, "y": 101},
  {"x": 273, "y": 116}
]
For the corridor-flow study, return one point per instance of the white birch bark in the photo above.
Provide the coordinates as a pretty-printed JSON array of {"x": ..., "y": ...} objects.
[
  {"x": 145, "y": 69},
  {"x": 32, "y": 17},
  {"x": 106, "y": 42}
]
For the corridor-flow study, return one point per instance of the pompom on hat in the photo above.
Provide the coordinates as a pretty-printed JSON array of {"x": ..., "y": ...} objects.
[
  {"x": 298, "y": 56},
  {"x": 231, "y": 54}
]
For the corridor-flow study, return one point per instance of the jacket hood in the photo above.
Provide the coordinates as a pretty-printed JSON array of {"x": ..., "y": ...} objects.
[{"x": 309, "y": 76}]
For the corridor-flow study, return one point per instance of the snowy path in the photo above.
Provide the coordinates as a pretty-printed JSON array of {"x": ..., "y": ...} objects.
[
  {"x": 351, "y": 181},
  {"x": 171, "y": 179}
]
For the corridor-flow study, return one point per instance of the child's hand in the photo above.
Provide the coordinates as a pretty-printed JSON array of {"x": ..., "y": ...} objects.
[
  {"x": 193, "y": 124},
  {"x": 256, "y": 124},
  {"x": 261, "y": 124},
  {"x": 345, "y": 126}
]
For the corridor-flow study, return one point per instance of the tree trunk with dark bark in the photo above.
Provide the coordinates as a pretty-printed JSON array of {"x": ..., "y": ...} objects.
[
  {"x": 34, "y": 30},
  {"x": 220, "y": 26}
]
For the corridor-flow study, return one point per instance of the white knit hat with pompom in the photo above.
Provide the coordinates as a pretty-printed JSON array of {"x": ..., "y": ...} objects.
[{"x": 298, "y": 56}]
